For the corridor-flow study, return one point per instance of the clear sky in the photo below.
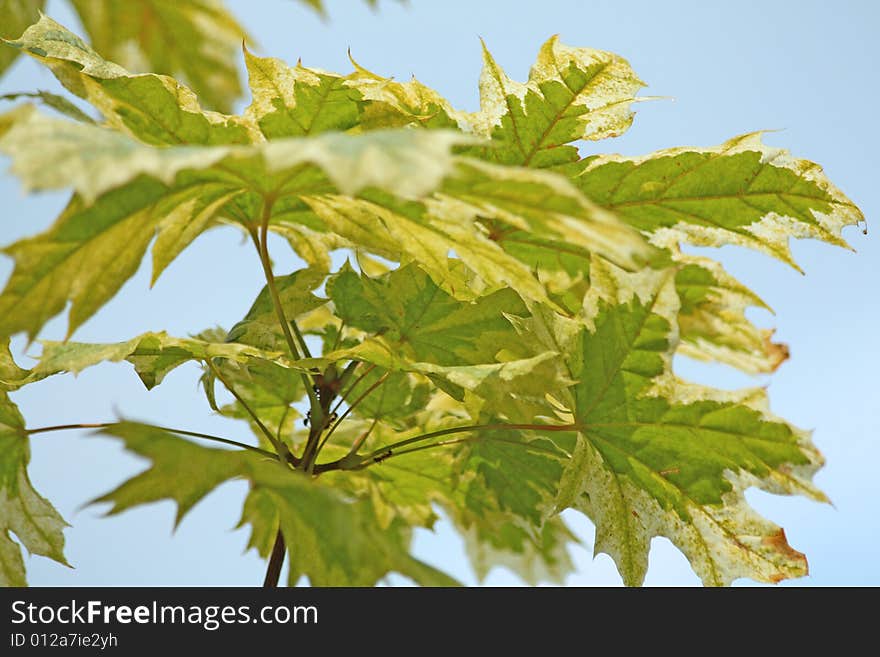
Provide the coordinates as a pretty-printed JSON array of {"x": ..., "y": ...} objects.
[{"x": 805, "y": 68}]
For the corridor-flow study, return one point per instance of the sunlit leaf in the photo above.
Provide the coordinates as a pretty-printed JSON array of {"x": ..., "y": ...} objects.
[
  {"x": 571, "y": 94},
  {"x": 16, "y": 16},
  {"x": 196, "y": 40},
  {"x": 659, "y": 457},
  {"x": 332, "y": 540},
  {"x": 742, "y": 192},
  {"x": 24, "y": 513},
  {"x": 128, "y": 191}
]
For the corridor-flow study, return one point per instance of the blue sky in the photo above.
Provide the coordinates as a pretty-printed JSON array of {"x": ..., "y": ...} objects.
[{"x": 806, "y": 69}]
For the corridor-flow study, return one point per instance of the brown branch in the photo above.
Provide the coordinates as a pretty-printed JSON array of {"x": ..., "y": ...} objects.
[{"x": 276, "y": 561}]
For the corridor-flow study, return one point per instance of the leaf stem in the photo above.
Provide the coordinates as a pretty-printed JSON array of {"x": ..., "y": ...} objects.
[
  {"x": 338, "y": 336},
  {"x": 283, "y": 453},
  {"x": 387, "y": 454},
  {"x": 263, "y": 249},
  {"x": 65, "y": 427},
  {"x": 182, "y": 432},
  {"x": 302, "y": 341},
  {"x": 473, "y": 427},
  {"x": 262, "y": 244},
  {"x": 351, "y": 462},
  {"x": 356, "y": 445}
]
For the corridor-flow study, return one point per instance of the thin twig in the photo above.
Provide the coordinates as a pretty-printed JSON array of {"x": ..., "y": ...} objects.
[
  {"x": 343, "y": 395},
  {"x": 355, "y": 403}
]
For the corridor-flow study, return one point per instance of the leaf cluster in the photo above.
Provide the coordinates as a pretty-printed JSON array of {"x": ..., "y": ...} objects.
[{"x": 498, "y": 345}]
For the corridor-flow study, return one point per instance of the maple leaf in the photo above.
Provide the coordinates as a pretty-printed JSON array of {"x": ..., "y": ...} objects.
[
  {"x": 333, "y": 540},
  {"x": 742, "y": 192},
  {"x": 23, "y": 511},
  {"x": 571, "y": 94},
  {"x": 195, "y": 39},
  {"x": 153, "y": 355},
  {"x": 712, "y": 323},
  {"x": 259, "y": 327},
  {"x": 182, "y": 190},
  {"x": 499, "y": 495},
  {"x": 660, "y": 457},
  {"x": 412, "y": 325},
  {"x": 127, "y": 192},
  {"x": 17, "y": 15}
]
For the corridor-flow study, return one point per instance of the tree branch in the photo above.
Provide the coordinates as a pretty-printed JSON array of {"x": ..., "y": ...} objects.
[{"x": 276, "y": 561}]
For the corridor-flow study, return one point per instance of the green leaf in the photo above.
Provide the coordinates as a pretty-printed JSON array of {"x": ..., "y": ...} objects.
[
  {"x": 659, "y": 457},
  {"x": 332, "y": 539},
  {"x": 490, "y": 490},
  {"x": 742, "y": 192},
  {"x": 153, "y": 355},
  {"x": 390, "y": 396},
  {"x": 155, "y": 109},
  {"x": 481, "y": 213},
  {"x": 128, "y": 191},
  {"x": 24, "y": 513},
  {"x": 511, "y": 205},
  {"x": 16, "y": 15},
  {"x": 402, "y": 488},
  {"x": 411, "y": 312},
  {"x": 269, "y": 389},
  {"x": 179, "y": 469},
  {"x": 712, "y": 322},
  {"x": 297, "y": 101},
  {"x": 571, "y": 94},
  {"x": 502, "y": 500},
  {"x": 544, "y": 558},
  {"x": 93, "y": 160},
  {"x": 88, "y": 158},
  {"x": 517, "y": 471},
  {"x": 111, "y": 236},
  {"x": 58, "y": 103},
  {"x": 194, "y": 39},
  {"x": 463, "y": 347},
  {"x": 259, "y": 327},
  {"x": 393, "y": 103}
]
